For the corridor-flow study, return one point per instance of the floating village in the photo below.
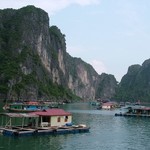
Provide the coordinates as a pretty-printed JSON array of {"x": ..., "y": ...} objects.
[{"x": 36, "y": 118}]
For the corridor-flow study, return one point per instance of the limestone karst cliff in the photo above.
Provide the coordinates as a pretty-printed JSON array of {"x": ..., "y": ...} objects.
[
  {"x": 135, "y": 85},
  {"x": 34, "y": 63}
]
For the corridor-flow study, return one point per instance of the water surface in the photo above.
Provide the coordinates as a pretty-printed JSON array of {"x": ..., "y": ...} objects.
[{"x": 107, "y": 133}]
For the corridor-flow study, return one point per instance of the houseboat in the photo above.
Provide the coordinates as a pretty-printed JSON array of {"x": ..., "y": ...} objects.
[
  {"x": 134, "y": 111},
  {"x": 50, "y": 121}
]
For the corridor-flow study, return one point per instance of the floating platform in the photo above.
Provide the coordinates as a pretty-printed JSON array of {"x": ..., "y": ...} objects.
[
  {"x": 132, "y": 115},
  {"x": 43, "y": 131},
  {"x": 58, "y": 122}
]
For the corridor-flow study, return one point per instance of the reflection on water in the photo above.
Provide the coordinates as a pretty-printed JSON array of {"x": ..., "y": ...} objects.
[{"x": 107, "y": 133}]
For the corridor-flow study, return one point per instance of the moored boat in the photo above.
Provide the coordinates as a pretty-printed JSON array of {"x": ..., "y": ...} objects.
[{"x": 25, "y": 107}]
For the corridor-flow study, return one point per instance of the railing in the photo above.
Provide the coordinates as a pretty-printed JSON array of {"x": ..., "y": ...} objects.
[{"x": 44, "y": 124}]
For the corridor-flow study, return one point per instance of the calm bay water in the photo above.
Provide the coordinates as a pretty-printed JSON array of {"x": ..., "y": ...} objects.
[{"x": 107, "y": 133}]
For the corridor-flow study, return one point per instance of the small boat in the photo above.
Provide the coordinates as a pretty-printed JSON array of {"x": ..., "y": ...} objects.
[
  {"x": 25, "y": 107},
  {"x": 134, "y": 111},
  {"x": 51, "y": 121}
]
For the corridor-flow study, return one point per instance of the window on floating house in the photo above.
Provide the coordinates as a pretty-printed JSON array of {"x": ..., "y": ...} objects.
[{"x": 66, "y": 118}]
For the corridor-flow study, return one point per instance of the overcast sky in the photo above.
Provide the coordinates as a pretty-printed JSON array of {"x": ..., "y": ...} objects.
[{"x": 110, "y": 35}]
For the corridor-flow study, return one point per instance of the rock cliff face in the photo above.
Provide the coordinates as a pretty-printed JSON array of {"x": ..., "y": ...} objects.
[
  {"x": 135, "y": 85},
  {"x": 35, "y": 64},
  {"x": 107, "y": 86}
]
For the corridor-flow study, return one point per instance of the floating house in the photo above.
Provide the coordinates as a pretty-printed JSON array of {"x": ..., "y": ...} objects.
[
  {"x": 51, "y": 121},
  {"x": 109, "y": 105},
  {"x": 54, "y": 117},
  {"x": 135, "y": 111}
]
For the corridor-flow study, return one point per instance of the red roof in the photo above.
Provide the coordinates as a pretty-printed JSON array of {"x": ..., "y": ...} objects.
[
  {"x": 144, "y": 108},
  {"x": 109, "y": 104},
  {"x": 32, "y": 103},
  {"x": 52, "y": 112}
]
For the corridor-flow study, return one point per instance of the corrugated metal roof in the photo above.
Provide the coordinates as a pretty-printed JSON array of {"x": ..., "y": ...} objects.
[{"x": 52, "y": 112}]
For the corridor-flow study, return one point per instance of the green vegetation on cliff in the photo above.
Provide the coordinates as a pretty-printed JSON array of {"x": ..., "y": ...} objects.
[
  {"x": 35, "y": 64},
  {"x": 21, "y": 69},
  {"x": 135, "y": 85}
]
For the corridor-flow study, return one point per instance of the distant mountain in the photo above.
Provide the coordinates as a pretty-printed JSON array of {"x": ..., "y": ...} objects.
[
  {"x": 135, "y": 85},
  {"x": 34, "y": 63}
]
